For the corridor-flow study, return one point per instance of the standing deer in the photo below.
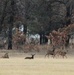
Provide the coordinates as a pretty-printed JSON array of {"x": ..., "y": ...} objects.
[
  {"x": 32, "y": 57},
  {"x": 63, "y": 54},
  {"x": 51, "y": 53}
]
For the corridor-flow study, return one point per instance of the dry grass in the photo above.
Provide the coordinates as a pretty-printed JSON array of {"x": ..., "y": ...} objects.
[
  {"x": 17, "y": 65},
  {"x": 38, "y": 66}
]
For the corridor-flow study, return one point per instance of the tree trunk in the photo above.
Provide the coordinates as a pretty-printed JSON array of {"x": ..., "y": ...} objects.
[
  {"x": 68, "y": 16},
  {"x": 3, "y": 15},
  {"x": 43, "y": 39},
  {"x": 25, "y": 29},
  {"x": 26, "y": 15},
  {"x": 10, "y": 37},
  {"x": 46, "y": 40},
  {"x": 11, "y": 20}
]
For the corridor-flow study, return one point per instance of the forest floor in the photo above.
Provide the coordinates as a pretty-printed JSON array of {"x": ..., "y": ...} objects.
[{"x": 17, "y": 65}]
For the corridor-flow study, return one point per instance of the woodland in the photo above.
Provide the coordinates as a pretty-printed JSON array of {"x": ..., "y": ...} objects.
[{"x": 37, "y": 17}]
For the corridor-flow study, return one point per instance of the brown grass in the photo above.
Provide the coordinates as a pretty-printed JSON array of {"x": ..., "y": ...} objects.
[{"x": 17, "y": 65}]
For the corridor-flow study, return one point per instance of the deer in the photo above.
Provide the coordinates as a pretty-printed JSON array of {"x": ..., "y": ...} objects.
[
  {"x": 63, "y": 54},
  {"x": 5, "y": 55},
  {"x": 3, "y": 44},
  {"x": 32, "y": 57},
  {"x": 51, "y": 53}
]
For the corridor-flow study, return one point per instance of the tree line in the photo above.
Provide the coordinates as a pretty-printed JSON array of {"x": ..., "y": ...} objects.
[{"x": 36, "y": 16}]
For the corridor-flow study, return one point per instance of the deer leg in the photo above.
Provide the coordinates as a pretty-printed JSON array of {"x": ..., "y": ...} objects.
[
  {"x": 48, "y": 56},
  {"x": 45, "y": 55},
  {"x": 65, "y": 56},
  {"x": 53, "y": 56}
]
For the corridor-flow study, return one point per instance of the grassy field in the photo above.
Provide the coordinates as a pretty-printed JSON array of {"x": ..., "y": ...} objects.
[
  {"x": 17, "y": 65},
  {"x": 38, "y": 66}
]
